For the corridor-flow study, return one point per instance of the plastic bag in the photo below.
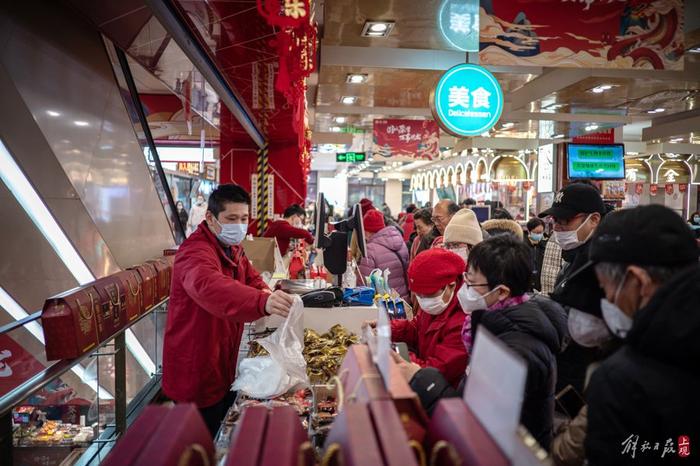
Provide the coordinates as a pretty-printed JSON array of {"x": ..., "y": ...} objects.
[{"x": 285, "y": 367}]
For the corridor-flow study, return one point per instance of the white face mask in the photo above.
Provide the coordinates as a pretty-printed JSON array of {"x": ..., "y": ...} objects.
[
  {"x": 471, "y": 300},
  {"x": 617, "y": 321},
  {"x": 200, "y": 201},
  {"x": 232, "y": 233},
  {"x": 587, "y": 330},
  {"x": 297, "y": 224},
  {"x": 462, "y": 252},
  {"x": 568, "y": 240},
  {"x": 435, "y": 305}
]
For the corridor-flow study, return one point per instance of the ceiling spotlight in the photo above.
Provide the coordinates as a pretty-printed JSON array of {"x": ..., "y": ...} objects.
[
  {"x": 558, "y": 136},
  {"x": 676, "y": 140},
  {"x": 81, "y": 123},
  {"x": 694, "y": 50},
  {"x": 341, "y": 119},
  {"x": 356, "y": 78},
  {"x": 377, "y": 28},
  {"x": 335, "y": 129},
  {"x": 602, "y": 88},
  {"x": 508, "y": 125},
  {"x": 592, "y": 127},
  {"x": 53, "y": 113},
  {"x": 348, "y": 99},
  {"x": 660, "y": 110}
]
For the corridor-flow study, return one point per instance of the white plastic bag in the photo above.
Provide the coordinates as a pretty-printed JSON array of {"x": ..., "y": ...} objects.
[{"x": 285, "y": 367}]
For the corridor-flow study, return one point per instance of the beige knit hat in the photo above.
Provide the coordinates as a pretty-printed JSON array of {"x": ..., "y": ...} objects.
[
  {"x": 500, "y": 226},
  {"x": 463, "y": 228}
]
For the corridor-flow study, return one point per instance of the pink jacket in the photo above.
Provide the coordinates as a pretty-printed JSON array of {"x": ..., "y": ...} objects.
[{"x": 387, "y": 250}]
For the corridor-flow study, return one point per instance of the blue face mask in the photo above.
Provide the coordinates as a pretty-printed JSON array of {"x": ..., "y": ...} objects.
[
  {"x": 536, "y": 237},
  {"x": 696, "y": 219},
  {"x": 232, "y": 233}
]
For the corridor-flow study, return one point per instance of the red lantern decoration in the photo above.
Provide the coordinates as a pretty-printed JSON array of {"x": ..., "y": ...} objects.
[
  {"x": 669, "y": 188},
  {"x": 527, "y": 185},
  {"x": 653, "y": 189},
  {"x": 683, "y": 187},
  {"x": 639, "y": 188},
  {"x": 494, "y": 186}
]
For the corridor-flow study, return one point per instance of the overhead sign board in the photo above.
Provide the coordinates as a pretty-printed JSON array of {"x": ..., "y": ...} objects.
[
  {"x": 350, "y": 157},
  {"x": 459, "y": 24},
  {"x": 467, "y": 100},
  {"x": 545, "y": 169}
]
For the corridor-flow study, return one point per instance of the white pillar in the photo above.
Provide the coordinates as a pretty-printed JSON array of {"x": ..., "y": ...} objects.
[{"x": 392, "y": 196}]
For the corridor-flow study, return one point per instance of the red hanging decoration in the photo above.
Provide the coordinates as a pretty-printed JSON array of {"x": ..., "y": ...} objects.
[
  {"x": 285, "y": 13},
  {"x": 639, "y": 188},
  {"x": 669, "y": 188},
  {"x": 653, "y": 189},
  {"x": 683, "y": 187},
  {"x": 527, "y": 185}
]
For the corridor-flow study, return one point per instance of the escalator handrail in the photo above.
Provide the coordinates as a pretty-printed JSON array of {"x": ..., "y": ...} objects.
[
  {"x": 39, "y": 380},
  {"x": 20, "y": 323}
]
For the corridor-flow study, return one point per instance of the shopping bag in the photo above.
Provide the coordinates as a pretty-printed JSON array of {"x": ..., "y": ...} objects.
[{"x": 285, "y": 367}]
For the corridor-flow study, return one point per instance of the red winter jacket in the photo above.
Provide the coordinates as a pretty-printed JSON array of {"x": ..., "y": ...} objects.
[
  {"x": 409, "y": 226},
  {"x": 283, "y": 231},
  {"x": 211, "y": 296},
  {"x": 437, "y": 339}
]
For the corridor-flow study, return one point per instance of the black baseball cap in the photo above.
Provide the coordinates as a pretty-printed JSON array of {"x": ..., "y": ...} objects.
[
  {"x": 576, "y": 198},
  {"x": 647, "y": 235}
]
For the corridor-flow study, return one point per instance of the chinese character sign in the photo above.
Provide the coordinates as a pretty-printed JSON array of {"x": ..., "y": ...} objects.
[
  {"x": 416, "y": 139},
  {"x": 459, "y": 24},
  {"x": 467, "y": 100}
]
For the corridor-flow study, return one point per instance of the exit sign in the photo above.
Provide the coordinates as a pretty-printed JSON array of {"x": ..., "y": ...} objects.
[{"x": 350, "y": 157}]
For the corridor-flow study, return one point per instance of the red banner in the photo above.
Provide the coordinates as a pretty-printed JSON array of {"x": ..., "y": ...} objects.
[
  {"x": 604, "y": 34},
  {"x": 601, "y": 137},
  {"x": 683, "y": 187},
  {"x": 639, "y": 188},
  {"x": 669, "y": 188},
  {"x": 653, "y": 189},
  {"x": 416, "y": 139},
  {"x": 16, "y": 364}
]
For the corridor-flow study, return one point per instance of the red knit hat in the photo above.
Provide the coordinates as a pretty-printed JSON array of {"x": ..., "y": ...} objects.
[
  {"x": 374, "y": 221},
  {"x": 434, "y": 269},
  {"x": 366, "y": 205}
]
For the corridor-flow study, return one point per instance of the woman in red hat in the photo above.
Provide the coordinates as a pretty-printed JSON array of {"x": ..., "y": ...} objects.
[{"x": 434, "y": 334}]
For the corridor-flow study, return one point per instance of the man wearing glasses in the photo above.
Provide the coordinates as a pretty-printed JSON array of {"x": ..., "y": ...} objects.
[
  {"x": 442, "y": 214},
  {"x": 576, "y": 213}
]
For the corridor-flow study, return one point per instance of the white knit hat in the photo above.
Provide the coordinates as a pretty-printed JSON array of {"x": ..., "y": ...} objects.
[{"x": 463, "y": 228}]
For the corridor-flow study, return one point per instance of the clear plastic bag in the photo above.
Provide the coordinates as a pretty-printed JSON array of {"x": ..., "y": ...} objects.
[{"x": 285, "y": 367}]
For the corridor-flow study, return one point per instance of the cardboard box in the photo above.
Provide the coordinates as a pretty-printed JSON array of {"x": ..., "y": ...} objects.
[
  {"x": 247, "y": 439},
  {"x": 263, "y": 253},
  {"x": 149, "y": 285},
  {"x": 134, "y": 293},
  {"x": 128, "y": 448},
  {"x": 353, "y": 439},
  {"x": 164, "y": 269},
  {"x": 322, "y": 319},
  {"x": 112, "y": 315}
]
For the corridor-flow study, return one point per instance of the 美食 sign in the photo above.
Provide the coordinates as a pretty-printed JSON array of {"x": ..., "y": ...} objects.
[{"x": 467, "y": 100}]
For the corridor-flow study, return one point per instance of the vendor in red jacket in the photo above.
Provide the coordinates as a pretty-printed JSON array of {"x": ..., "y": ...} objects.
[
  {"x": 289, "y": 228},
  {"x": 434, "y": 335},
  {"x": 214, "y": 291}
]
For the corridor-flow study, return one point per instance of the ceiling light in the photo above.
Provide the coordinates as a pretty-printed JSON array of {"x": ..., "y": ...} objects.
[
  {"x": 592, "y": 127},
  {"x": 602, "y": 88},
  {"x": 53, "y": 113},
  {"x": 356, "y": 78},
  {"x": 694, "y": 50},
  {"x": 377, "y": 28},
  {"x": 81, "y": 123},
  {"x": 675, "y": 140},
  {"x": 341, "y": 119},
  {"x": 558, "y": 136},
  {"x": 508, "y": 125},
  {"x": 348, "y": 99},
  {"x": 335, "y": 129},
  {"x": 659, "y": 110}
]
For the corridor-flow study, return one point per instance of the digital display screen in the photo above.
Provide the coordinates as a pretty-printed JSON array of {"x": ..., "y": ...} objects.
[{"x": 596, "y": 161}]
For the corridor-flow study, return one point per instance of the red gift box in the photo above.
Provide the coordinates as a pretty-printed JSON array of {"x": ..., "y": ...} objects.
[
  {"x": 393, "y": 441},
  {"x": 112, "y": 314},
  {"x": 164, "y": 269},
  {"x": 181, "y": 438},
  {"x": 70, "y": 323},
  {"x": 134, "y": 293},
  {"x": 457, "y": 438},
  {"x": 359, "y": 376},
  {"x": 413, "y": 417},
  {"x": 246, "y": 440},
  {"x": 149, "y": 286},
  {"x": 129, "y": 447},
  {"x": 353, "y": 439},
  {"x": 286, "y": 442}
]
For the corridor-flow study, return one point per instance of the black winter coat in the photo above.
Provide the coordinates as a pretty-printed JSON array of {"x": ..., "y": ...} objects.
[
  {"x": 577, "y": 287},
  {"x": 536, "y": 259},
  {"x": 651, "y": 386},
  {"x": 536, "y": 330}
]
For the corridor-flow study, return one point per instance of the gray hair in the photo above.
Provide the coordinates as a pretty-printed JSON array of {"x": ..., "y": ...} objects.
[{"x": 615, "y": 271}]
